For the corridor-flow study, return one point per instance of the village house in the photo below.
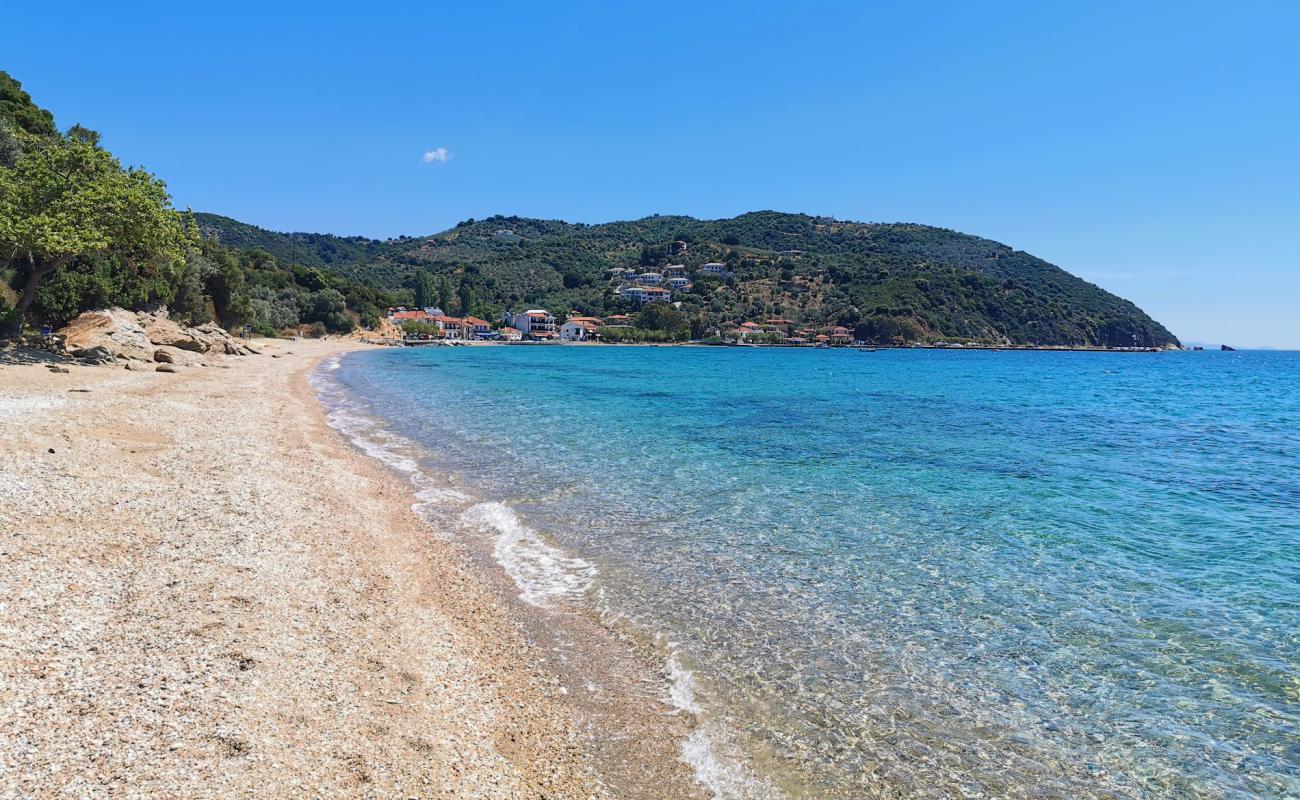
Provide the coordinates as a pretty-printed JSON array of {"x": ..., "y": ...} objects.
[
  {"x": 679, "y": 283},
  {"x": 838, "y": 334},
  {"x": 410, "y": 316},
  {"x": 714, "y": 268},
  {"x": 675, "y": 271},
  {"x": 650, "y": 279},
  {"x": 453, "y": 328},
  {"x": 618, "y": 321},
  {"x": 478, "y": 327},
  {"x": 537, "y": 323},
  {"x": 580, "y": 329},
  {"x": 643, "y": 295}
]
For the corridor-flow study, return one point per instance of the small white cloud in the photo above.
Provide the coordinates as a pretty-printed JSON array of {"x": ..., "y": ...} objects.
[{"x": 437, "y": 155}]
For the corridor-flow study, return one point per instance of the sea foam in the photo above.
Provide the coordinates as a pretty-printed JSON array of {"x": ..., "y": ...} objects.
[
  {"x": 543, "y": 573},
  {"x": 710, "y": 750}
]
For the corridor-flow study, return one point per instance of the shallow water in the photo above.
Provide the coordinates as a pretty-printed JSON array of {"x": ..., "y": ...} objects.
[{"x": 897, "y": 573}]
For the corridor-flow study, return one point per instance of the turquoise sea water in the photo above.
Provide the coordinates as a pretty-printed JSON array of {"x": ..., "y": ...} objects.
[{"x": 896, "y": 573}]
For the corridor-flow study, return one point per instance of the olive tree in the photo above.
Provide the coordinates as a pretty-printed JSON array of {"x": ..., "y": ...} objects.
[{"x": 65, "y": 199}]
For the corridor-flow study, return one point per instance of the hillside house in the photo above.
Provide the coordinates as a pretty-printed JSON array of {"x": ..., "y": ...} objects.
[{"x": 644, "y": 294}]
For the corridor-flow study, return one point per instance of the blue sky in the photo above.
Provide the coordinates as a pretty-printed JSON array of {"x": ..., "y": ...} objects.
[{"x": 1153, "y": 148}]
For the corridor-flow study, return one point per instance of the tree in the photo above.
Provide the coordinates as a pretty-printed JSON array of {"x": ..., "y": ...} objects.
[
  {"x": 466, "y": 298},
  {"x": 17, "y": 105},
  {"x": 444, "y": 294},
  {"x": 423, "y": 288},
  {"x": 665, "y": 318},
  {"x": 66, "y": 199}
]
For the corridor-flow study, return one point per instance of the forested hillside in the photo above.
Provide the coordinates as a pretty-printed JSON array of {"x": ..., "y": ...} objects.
[{"x": 888, "y": 281}]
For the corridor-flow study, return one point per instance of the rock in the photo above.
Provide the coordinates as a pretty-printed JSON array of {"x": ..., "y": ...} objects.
[
  {"x": 165, "y": 333},
  {"x": 99, "y": 354},
  {"x": 166, "y": 354},
  {"x": 116, "y": 330},
  {"x": 165, "y": 368},
  {"x": 54, "y": 368}
]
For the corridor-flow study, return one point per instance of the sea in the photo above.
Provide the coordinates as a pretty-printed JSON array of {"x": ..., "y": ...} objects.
[{"x": 892, "y": 573}]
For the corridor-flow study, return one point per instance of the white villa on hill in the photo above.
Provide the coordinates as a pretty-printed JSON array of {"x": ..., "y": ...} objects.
[
  {"x": 714, "y": 268},
  {"x": 643, "y": 295}
]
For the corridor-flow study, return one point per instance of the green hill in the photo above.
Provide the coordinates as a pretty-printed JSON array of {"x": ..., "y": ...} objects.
[{"x": 889, "y": 281}]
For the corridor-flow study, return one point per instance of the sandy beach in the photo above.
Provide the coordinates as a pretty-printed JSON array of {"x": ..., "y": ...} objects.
[{"x": 206, "y": 592}]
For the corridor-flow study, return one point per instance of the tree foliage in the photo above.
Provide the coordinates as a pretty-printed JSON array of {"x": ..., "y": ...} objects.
[
  {"x": 79, "y": 231},
  {"x": 65, "y": 199}
]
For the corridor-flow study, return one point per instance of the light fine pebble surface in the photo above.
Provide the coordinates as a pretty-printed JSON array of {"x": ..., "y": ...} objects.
[{"x": 205, "y": 592}]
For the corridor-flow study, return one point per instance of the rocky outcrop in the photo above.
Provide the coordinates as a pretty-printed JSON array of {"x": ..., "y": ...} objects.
[
  {"x": 151, "y": 336},
  {"x": 164, "y": 332},
  {"x": 116, "y": 330},
  {"x": 94, "y": 355}
]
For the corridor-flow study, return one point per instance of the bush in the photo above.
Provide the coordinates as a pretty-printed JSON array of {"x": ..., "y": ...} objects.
[
  {"x": 271, "y": 310},
  {"x": 9, "y": 322}
]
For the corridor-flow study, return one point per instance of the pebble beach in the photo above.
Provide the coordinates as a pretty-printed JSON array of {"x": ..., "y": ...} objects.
[{"x": 206, "y": 592}]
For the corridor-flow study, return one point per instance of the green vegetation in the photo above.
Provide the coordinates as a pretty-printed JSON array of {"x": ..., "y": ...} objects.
[
  {"x": 888, "y": 282},
  {"x": 80, "y": 231},
  {"x": 417, "y": 328}
]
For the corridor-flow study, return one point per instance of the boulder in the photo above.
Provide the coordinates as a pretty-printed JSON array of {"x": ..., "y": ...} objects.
[
  {"x": 221, "y": 341},
  {"x": 116, "y": 330},
  {"x": 163, "y": 332},
  {"x": 98, "y": 354},
  {"x": 165, "y": 368},
  {"x": 166, "y": 354}
]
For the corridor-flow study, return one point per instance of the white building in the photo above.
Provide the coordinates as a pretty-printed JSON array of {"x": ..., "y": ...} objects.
[
  {"x": 714, "y": 268},
  {"x": 675, "y": 271},
  {"x": 650, "y": 279},
  {"x": 680, "y": 282},
  {"x": 580, "y": 329},
  {"x": 643, "y": 294},
  {"x": 533, "y": 322}
]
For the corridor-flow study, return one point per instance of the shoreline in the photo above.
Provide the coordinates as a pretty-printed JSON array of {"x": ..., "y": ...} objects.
[
  {"x": 210, "y": 592},
  {"x": 766, "y": 346}
]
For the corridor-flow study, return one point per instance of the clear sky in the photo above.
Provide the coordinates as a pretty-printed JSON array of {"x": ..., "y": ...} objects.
[{"x": 1151, "y": 147}]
